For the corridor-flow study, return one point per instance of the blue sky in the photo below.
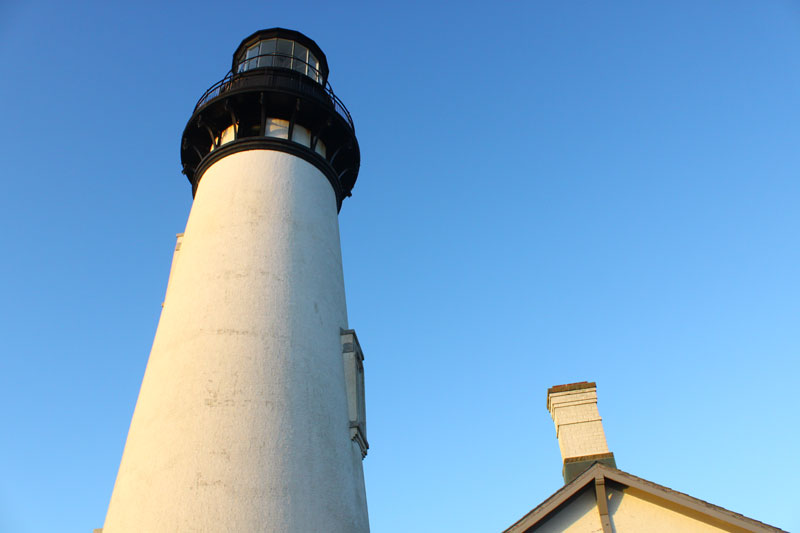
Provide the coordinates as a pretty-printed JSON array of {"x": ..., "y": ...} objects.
[{"x": 550, "y": 192}]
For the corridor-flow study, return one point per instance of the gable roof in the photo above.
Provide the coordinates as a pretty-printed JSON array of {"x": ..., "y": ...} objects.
[{"x": 598, "y": 475}]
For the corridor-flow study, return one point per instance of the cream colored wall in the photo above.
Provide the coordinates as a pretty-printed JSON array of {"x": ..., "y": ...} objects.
[
  {"x": 631, "y": 512},
  {"x": 241, "y": 422},
  {"x": 580, "y": 516}
]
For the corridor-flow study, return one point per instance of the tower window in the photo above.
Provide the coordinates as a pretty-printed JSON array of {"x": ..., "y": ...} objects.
[
  {"x": 277, "y": 127},
  {"x": 301, "y": 135}
]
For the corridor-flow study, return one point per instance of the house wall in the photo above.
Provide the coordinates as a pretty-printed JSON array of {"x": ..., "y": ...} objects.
[
  {"x": 580, "y": 516},
  {"x": 634, "y": 511}
]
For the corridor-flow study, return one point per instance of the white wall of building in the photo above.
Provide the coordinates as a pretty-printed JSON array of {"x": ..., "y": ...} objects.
[{"x": 242, "y": 421}]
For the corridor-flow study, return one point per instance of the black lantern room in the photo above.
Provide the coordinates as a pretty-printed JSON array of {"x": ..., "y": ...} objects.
[{"x": 277, "y": 97}]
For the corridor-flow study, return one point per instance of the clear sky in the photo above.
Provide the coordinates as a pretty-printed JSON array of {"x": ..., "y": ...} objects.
[{"x": 550, "y": 192}]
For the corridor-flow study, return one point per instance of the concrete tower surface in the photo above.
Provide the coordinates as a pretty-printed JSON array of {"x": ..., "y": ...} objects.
[{"x": 251, "y": 412}]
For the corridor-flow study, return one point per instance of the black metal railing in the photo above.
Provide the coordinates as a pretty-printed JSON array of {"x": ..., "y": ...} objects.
[{"x": 276, "y": 77}]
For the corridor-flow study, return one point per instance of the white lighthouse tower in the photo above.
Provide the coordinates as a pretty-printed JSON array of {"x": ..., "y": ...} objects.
[{"x": 251, "y": 412}]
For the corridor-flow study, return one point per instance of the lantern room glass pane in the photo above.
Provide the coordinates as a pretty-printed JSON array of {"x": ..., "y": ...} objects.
[
  {"x": 313, "y": 67},
  {"x": 301, "y": 53},
  {"x": 284, "y": 54},
  {"x": 284, "y": 46},
  {"x": 268, "y": 46},
  {"x": 281, "y": 53}
]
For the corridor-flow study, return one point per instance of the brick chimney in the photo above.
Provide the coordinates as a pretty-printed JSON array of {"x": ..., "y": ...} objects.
[{"x": 579, "y": 427}]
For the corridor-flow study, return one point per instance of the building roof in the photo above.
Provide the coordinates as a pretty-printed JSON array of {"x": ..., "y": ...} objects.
[{"x": 601, "y": 475}]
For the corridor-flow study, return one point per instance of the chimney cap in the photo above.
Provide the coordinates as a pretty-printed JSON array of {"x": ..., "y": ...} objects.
[{"x": 569, "y": 387}]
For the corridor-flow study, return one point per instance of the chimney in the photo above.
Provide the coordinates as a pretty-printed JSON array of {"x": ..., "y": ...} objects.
[{"x": 579, "y": 427}]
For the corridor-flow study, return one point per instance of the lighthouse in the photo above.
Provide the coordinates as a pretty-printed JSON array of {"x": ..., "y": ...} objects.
[{"x": 251, "y": 412}]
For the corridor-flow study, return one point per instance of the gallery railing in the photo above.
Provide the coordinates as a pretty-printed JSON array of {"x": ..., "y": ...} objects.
[{"x": 277, "y": 78}]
